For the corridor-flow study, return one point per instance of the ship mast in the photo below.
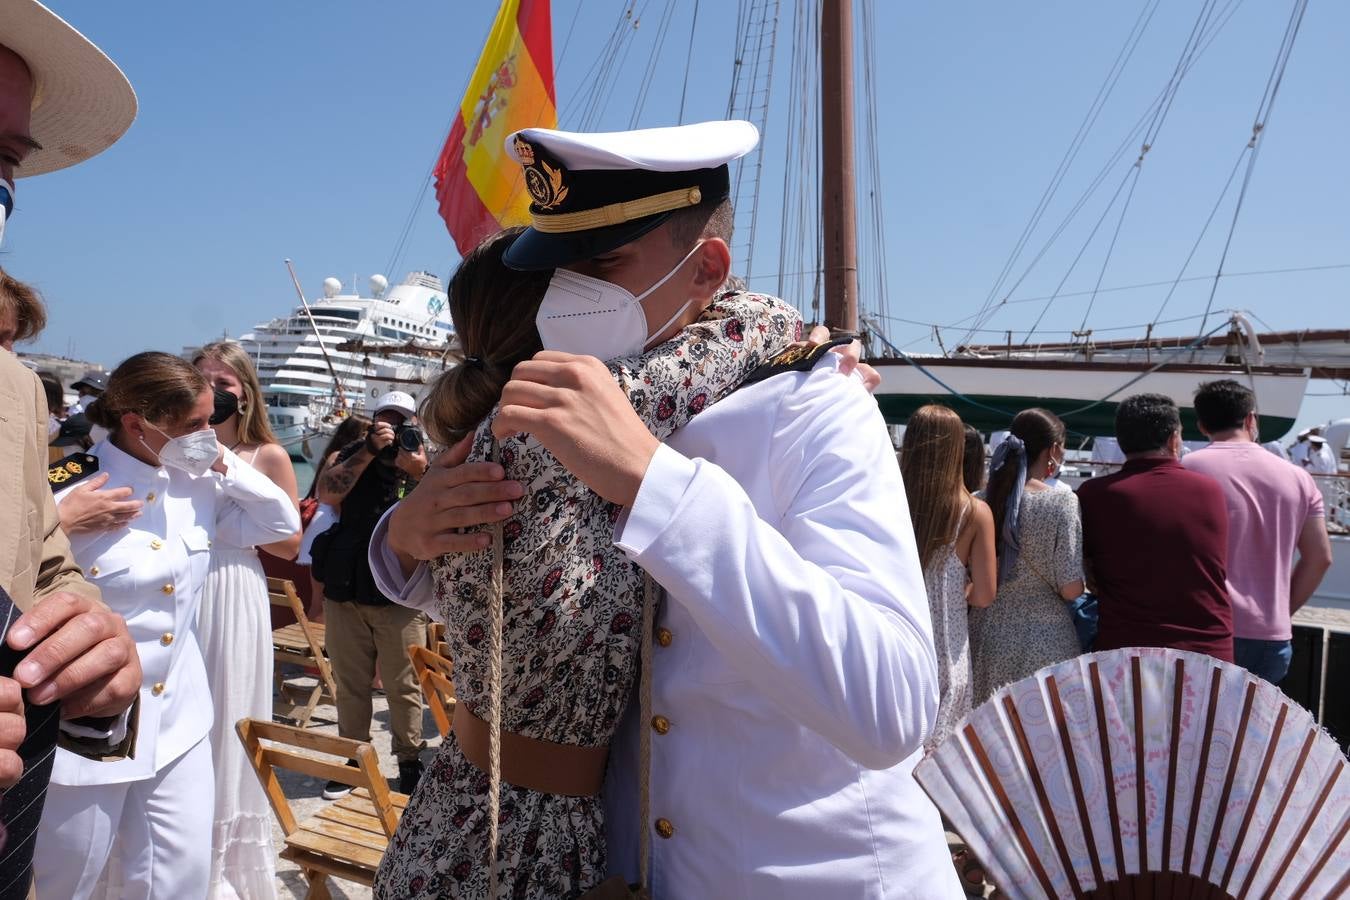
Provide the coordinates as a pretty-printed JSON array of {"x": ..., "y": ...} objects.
[{"x": 837, "y": 184}]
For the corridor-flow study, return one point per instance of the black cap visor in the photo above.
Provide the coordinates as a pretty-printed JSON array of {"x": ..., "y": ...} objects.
[{"x": 536, "y": 251}]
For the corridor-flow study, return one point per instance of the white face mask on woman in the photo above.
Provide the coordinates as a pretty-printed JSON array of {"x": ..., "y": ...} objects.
[
  {"x": 193, "y": 453},
  {"x": 594, "y": 317}
]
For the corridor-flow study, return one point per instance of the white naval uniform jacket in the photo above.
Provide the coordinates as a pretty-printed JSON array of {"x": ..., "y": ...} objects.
[
  {"x": 151, "y": 573},
  {"x": 794, "y": 673}
]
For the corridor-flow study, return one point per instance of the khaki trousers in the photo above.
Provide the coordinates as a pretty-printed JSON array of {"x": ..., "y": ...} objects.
[{"x": 360, "y": 637}]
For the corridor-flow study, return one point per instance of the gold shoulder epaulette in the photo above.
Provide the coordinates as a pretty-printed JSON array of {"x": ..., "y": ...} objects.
[
  {"x": 801, "y": 358},
  {"x": 72, "y": 470}
]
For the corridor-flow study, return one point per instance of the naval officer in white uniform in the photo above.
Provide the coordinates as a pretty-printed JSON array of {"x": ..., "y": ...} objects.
[
  {"x": 158, "y": 804},
  {"x": 794, "y": 672}
]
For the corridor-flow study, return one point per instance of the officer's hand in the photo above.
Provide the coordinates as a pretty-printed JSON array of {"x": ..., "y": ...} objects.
[
  {"x": 12, "y": 731},
  {"x": 380, "y": 435},
  {"x": 86, "y": 509},
  {"x": 573, "y": 406},
  {"x": 452, "y": 495},
  {"x": 82, "y": 655},
  {"x": 414, "y": 463},
  {"x": 851, "y": 362}
]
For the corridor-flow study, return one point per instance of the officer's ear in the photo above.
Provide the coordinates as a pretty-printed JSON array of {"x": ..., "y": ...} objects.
[{"x": 712, "y": 266}]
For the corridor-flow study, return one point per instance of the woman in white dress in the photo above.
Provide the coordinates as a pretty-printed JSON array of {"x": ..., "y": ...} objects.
[{"x": 235, "y": 624}]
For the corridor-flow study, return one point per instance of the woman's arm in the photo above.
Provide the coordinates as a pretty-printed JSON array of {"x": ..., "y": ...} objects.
[
  {"x": 982, "y": 564},
  {"x": 273, "y": 461},
  {"x": 255, "y": 510}
]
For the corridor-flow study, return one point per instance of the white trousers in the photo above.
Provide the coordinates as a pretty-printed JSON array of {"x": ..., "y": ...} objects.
[{"x": 162, "y": 826}]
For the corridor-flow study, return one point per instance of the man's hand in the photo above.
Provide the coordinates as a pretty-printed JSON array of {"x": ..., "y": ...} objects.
[
  {"x": 12, "y": 732},
  {"x": 452, "y": 495},
  {"x": 380, "y": 435},
  {"x": 82, "y": 655},
  {"x": 573, "y": 406},
  {"x": 414, "y": 463},
  {"x": 852, "y": 358},
  {"x": 87, "y": 509}
]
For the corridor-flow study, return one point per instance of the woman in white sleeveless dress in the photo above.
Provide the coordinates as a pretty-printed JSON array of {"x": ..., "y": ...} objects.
[
  {"x": 235, "y": 625},
  {"x": 954, "y": 532}
]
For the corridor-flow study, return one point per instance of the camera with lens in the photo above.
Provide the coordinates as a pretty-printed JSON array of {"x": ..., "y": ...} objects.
[{"x": 406, "y": 437}]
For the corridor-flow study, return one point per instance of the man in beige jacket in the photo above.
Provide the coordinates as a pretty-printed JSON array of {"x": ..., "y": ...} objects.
[{"x": 63, "y": 654}]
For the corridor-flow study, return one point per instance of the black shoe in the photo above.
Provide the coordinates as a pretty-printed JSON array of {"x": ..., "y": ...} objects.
[
  {"x": 409, "y": 773},
  {"x": 336, "y": 790}
]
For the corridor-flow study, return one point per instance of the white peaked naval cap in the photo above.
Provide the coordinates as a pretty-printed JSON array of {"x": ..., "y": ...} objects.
[
  {"x": 82, "y": 103},
  {"x": 398, "y": 400},
  {"x": 679, "y": 148},
  {"x": 593, "y": 193}
]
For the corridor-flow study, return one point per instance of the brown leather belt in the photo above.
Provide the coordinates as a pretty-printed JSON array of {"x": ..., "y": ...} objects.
[{"x": 542, "y": 766}]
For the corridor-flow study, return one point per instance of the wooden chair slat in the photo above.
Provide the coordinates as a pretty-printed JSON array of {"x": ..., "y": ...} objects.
[
  {"x": 366, "y": 821},
  {"x": 435, "y": 677},
  {"x": 347, "y": 834},
  {"x": 400, "y": 801},
  {"x": 339, "y": 850}
]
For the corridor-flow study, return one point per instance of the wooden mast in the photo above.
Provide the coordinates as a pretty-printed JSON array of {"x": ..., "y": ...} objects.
[{"x": 837, "y": 184}]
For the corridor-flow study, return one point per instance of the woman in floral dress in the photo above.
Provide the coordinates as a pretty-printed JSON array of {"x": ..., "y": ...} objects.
[
  {"x": 1040, "y": 559},
  {"x": 571, "y": 599}
]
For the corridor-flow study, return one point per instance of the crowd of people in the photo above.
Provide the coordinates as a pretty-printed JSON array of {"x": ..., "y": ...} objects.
[{"x": 703, "y": 623}]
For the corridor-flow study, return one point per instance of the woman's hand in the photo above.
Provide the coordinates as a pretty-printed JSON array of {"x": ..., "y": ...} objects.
[
  {"x": 852, "y": 357},
  {"x": 86, "y": 509}
]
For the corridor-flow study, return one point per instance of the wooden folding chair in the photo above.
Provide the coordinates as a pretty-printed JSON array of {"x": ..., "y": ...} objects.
[
  {"x": 301, "y": 643},
  {"x": 346, "y": 838},
  {"x": 434, "y": 674},
  {"x": 436, "y": 639}
]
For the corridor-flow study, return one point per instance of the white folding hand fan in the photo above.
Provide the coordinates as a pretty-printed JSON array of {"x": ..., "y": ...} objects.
[{"x": 1147, "y": 773}]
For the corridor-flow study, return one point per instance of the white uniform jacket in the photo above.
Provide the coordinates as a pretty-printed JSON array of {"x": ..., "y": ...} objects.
[
  {"x": 151, "y": 573},
  {"x": 794, "y": 672}
]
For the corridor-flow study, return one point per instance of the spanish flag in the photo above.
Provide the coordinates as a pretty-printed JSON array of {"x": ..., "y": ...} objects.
[{"x": 479, "y": 188}]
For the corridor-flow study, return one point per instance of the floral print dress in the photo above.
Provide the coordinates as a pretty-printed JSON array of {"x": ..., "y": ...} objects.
[{"x": 570, "y": 632}]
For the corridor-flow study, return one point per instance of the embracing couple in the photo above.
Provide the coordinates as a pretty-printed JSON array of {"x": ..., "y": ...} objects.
[{"x": 715, "y": 515}]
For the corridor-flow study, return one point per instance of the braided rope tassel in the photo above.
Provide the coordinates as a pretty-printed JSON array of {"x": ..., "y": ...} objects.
[
  {"x": 645, "y": 736},
  {"x": 495, "y": 615}
]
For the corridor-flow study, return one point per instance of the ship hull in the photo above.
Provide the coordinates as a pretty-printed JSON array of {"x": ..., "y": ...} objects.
[{"x": 987, "y": 393}]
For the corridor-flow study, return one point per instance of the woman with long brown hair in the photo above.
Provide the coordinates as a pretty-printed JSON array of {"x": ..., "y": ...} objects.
[
  {"x": 236, "y": 632},
  {"x": 570, "y": 602},
  {"x": 1039, "y": 542},
  {"x": 954, "y": 532},
  {"x": 152, "y": 571}
]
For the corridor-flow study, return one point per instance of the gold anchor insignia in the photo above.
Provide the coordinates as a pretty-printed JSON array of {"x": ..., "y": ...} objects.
[{"x": 545, "y": 185}]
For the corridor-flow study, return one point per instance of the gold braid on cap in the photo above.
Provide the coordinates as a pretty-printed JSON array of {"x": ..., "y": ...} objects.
[{"x": 616, "y": 213}]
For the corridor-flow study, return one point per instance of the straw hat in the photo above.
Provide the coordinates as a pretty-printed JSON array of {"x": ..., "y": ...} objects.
[{"x": 82, "y": 102}]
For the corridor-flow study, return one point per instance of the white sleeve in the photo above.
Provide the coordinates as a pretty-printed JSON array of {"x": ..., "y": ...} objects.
[
  {"x": 820, "y": 602},
  {"x": 415, "y": 592},
  {"x": 255, "y": 510}
]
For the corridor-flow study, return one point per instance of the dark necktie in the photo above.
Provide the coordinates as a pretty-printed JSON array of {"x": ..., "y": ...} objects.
[{"x": 21, "y": 806}]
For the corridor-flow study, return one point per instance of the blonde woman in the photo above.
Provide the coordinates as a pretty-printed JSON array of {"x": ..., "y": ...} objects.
[
  {"x": 954, "y": 532},
  {"x": 236, "y": 632}
]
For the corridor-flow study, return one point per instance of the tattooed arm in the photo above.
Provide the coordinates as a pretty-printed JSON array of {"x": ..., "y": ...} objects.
[{"x": 340, "y": 477}]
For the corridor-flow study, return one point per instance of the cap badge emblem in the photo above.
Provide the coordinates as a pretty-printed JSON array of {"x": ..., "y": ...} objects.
[
  {"x": 545, "y": 185},
  {"x": 524, "y": 151}
]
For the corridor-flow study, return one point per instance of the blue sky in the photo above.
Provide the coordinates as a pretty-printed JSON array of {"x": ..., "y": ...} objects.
[{"x": 305, "y": 130}]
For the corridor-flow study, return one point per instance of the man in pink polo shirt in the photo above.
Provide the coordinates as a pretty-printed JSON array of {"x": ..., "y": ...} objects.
[{"x": 1274, "y": 509}]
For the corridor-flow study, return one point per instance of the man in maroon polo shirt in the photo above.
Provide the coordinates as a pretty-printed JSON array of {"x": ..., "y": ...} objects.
[{"x": 1155, "y": 541}]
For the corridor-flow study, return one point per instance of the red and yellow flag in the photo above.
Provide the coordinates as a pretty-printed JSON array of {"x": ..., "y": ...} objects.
[{"x": 478, "y": 186}]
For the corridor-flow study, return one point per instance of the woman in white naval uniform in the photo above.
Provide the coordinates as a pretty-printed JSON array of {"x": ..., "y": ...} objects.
[{"x": 157, "y": 804}]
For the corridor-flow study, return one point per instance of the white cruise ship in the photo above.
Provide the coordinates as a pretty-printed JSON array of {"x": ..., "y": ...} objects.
[{"x": 308, "y": 381}]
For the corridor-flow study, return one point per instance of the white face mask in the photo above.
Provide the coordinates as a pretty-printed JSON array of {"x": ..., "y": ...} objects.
[
  {"x": 6, "y": 205},
  {"x": 594, "y": 317},
  {"x": 193, "y": 453}
]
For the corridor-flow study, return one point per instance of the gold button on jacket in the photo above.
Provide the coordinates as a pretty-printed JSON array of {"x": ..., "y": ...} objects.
[
  {"x": 664, "y": 637},
  {"x": 664, "y": 828},
  {"x": 158, "y": 688},
  {"x": 168, "y": 589},
  {"x": 167, "y": 638},
  {"x": 156, "y": 544},
  {"x": 660, "y": 724}
]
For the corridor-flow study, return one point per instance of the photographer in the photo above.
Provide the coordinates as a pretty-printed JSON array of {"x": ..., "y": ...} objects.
[{"x": 363, "y": 627}]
